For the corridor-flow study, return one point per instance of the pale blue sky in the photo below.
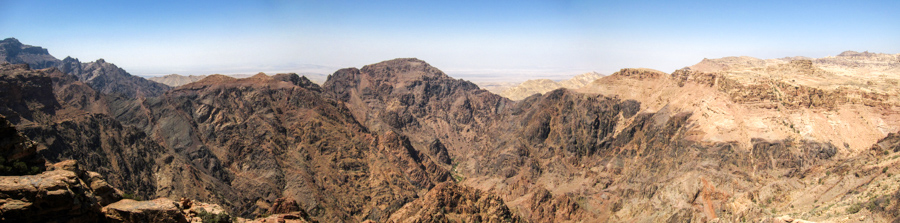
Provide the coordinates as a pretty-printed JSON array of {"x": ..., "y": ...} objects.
[{"x": 463, "y": 38}]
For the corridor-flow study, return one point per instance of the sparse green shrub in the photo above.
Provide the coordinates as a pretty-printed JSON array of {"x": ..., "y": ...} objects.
[
  {"x": 15, "y": 167},
  {"x": 871, "y": 205},
  {"x": 213, "y": 218},
  {"x": 854, "y": 208},
  {"x": 131, "y": 196},
  {"x": 884, "y": 170}
]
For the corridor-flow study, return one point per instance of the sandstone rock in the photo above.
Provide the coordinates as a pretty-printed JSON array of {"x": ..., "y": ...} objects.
[
  {"x": 282, "y": 218},
  {"x": 284, "y": 206},
  {"x": 56, "y": 195},
  {"x": 203, "y": 212},
  {"x": 157, "y": 210}
]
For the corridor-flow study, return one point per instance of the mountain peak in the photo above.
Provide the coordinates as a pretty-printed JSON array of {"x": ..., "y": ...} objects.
[
  {"x": 13, "y": 51},
  {"x": 215, "y": 78},
  {"x": 260, "y": 75},
  {"x": 11, "y": 40}
]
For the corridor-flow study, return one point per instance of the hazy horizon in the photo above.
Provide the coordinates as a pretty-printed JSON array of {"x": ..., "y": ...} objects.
[{"x": 465, "y": 39}]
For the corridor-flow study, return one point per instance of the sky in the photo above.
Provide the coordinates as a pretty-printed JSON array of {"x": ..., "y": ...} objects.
[{"x": 502, "y": 40}]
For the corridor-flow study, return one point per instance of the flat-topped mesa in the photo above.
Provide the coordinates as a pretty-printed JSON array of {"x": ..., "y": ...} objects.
[
  {"x": 175, "y": 80},
  {"x": 403, "y": 69},
  {"x": 542, "y": 86},
  {"x": 13, "y": 51},
  {"x": 864, "y": 54},
  {"x": 212, "y": 79},
  {"x": 640, "y": 73},
  {"x": 260, "y": 79}
]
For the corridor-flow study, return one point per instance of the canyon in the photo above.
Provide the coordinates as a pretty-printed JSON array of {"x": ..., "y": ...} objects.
[{"x": 725, "y": 140}]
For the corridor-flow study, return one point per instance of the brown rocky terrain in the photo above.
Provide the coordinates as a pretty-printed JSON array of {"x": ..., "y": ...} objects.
[
  {"x": 618, "y": 159},
  {"x": 541, "y": 86},
  {"x": 70, "y": 120},
  {"x": 448, "y": 202},
  {"x": 198, "y": 145},
  {"x": 726, "y": 140},
  {"x": 304, "y": 147}
]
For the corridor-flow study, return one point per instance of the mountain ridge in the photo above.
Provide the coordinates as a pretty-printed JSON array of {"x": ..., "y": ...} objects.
[{"x": 731, "y": 140}]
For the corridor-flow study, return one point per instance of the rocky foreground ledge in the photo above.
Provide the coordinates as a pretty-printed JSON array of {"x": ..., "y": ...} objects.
[{"x": 32, "y": 190}]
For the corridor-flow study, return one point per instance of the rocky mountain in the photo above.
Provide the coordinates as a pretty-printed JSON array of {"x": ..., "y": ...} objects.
[
  {"x": 268, "y": 137},
  {"x": 175, "y": 80},
  {"x": 726, "y": 140},
  {"x": 14, "y": 52},
  {"x": 632, "y": 155},
  {"x": 100, "y": 75},
  {"x": 196, "y": 143},
  {"x": 541, "y": 86}
]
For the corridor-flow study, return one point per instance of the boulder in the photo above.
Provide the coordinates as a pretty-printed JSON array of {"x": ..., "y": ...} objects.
[
  {"x": 57, "y": 195},
  {"x": 158, "y": 210}
]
